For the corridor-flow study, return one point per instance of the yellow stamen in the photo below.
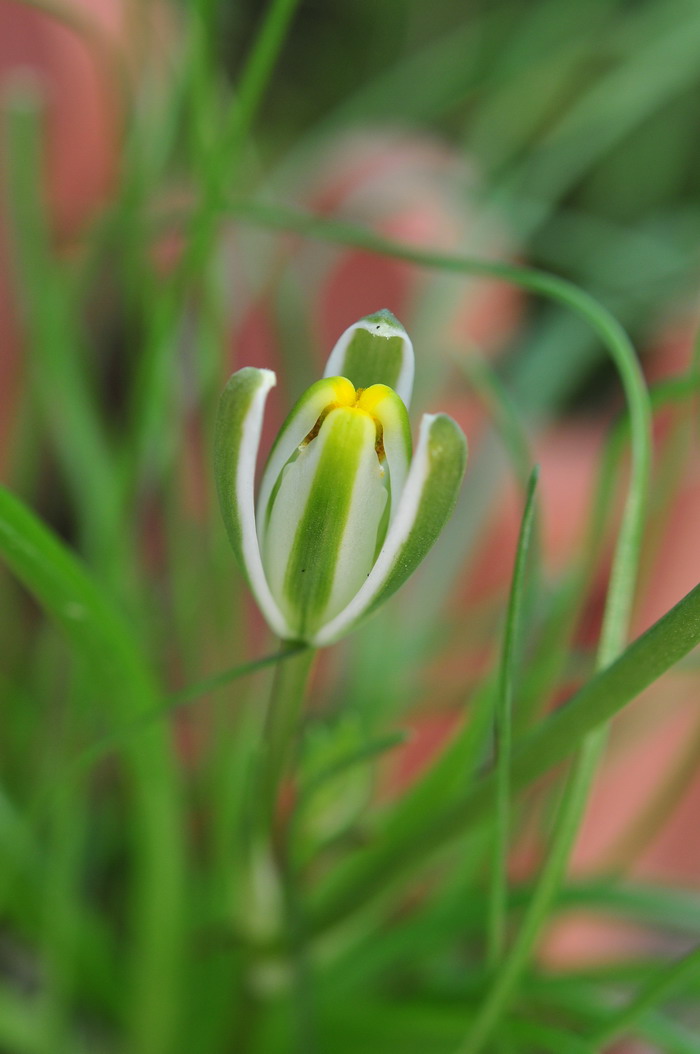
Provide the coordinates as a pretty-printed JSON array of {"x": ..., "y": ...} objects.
[{"x": 365, "y": 400}]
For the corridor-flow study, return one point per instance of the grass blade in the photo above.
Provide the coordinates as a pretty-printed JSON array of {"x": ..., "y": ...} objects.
[
  {"x": 504, "y": 734},
  {"x": 666, "y": 981},
  {"x": 102, "y": 638},
  {"x": 555, "y": 739}
]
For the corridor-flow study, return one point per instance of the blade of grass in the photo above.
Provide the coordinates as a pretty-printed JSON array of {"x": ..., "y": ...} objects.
[
  {"x": 552, "y": 742},
  {"x": 547, "y": 661},
  {"x": 668, "y": 1035},
  {"x": 57, "y": 372},
  {"x": 493, "y": 1007},
  {"x": 177, "y": 701},
  {"x": 503, "y": 734},
  {"x": 61, "y": 918},
  {"x": 370, "y": 750},
  {"x": 674, "y": 911},
  {"x": 102, "y": 638},
  {"x": 667, "y": 981},
  {"x": 151, "y": 428}
]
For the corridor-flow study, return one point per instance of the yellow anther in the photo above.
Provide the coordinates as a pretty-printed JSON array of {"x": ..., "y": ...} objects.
[
  {"x": 344, "y": 392},
  {"x": 369, "y": 399}
]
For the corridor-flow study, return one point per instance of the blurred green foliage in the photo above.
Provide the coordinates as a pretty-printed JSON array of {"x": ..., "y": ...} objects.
[{"x": 140, "y": 913}]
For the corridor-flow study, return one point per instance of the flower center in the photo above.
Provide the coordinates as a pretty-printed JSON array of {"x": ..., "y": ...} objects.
[{"x": 363, "y": 400}]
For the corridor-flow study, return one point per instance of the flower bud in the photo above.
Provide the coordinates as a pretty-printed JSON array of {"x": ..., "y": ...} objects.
[{"x": 344, "y": 514}]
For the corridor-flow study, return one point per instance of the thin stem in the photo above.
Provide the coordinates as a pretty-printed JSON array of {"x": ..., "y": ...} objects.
[
  {"x": 180, "y": 699},
  {"x": 281, "y": 722},
  {"x": 288, "y": 692}
]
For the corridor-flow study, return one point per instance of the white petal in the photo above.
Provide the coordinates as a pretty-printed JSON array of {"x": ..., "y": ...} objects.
[
  {"x": 337, "y": 555},
  {"x": 425, "y": 504},
  {"x": 299, "y": 423},
  {"x": 238, "y": 429}
]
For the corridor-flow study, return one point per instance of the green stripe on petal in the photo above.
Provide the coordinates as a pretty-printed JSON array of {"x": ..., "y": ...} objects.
[
  {"x": 375, "y": 350},
  {"x": 236, "y": 443},
  {"x": 297, "y": 426},
  {"x": 426, "y": 503},
  {"x": 322, "y": 533}
]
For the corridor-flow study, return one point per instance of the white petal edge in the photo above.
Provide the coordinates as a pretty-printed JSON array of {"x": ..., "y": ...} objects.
[
  {"x": 245, "y": 497},
  {"x": 336, "y": 360},
  {"x": 399, "y": 531}
]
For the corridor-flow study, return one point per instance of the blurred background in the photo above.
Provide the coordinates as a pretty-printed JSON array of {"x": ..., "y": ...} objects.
[{"x": 152, "y": 154}]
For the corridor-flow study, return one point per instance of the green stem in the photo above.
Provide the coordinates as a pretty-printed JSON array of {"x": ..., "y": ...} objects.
[
  {"x": 185, "y": 697},
  {"x": 281, "y": 723},
  {"x": 288, "y": 692}
]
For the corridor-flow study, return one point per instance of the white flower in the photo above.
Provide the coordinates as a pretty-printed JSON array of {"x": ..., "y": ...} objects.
[{"x": 344, "y": 513}]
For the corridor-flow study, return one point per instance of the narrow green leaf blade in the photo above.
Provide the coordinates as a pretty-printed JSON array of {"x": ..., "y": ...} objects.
[
  {"x": 102, "y": 637},
  {"x": 371, "y": 870}
]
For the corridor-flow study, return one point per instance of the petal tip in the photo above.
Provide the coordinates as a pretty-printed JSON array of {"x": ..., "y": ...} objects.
[{"x": 385, "y": 324}]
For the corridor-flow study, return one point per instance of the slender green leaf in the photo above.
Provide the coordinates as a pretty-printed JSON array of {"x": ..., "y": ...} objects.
[
  {"x": 643, "y": 662},
  {"x": 102, "y": 637},
  {"x": 504, "y": 733},
  {"x": 667, "y": 981}
]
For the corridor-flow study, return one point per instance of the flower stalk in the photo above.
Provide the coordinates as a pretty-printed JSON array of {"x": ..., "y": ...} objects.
[{"x": 289, "y": 689}]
